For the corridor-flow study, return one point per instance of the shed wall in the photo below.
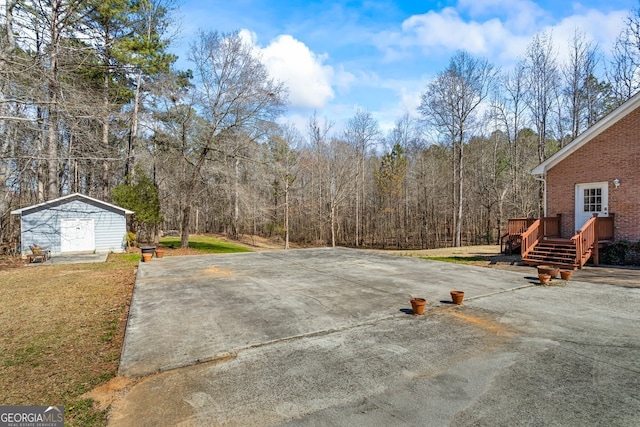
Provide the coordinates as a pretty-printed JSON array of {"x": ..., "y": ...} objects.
[{"x": 41, "y": 226}]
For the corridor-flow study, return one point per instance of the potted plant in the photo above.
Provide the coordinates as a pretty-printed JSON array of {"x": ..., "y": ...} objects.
[
  {"x": 565, "y": 274},
  {"x": 147, "y": 249},
  {"x": 146, "y": 257},
  {"x": 159, "y": 253},
  {"x": 417, "y": 305},
  {"x": 545, "y": 279},
  {"x": 456, "y": 297},
  {"x": 548, "y": 269}
]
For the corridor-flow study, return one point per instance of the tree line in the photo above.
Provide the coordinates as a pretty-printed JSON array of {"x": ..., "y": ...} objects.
[{"x": 91, "y": 102}]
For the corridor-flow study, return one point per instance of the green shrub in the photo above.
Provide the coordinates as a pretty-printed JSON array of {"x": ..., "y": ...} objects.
[
  {"x": 622, "y": 252},
  {"x": 131, "y": 239}
]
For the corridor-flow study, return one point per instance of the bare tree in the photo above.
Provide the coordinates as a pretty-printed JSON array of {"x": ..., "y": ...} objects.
[
  {"x": 362, "y": 132},
  {"x": 451, "y": 103},
  {"x": 622, "y": 72},
  {"x": 339, "y": 159},
  {"x": 543, "y": 79},
  {"x": 390, "y": 177},
  {"x": 577, "y": 74},
  {"x": 316, "y": 161},
  {"x": 236, "y": 95},
  {"x": 283, "y": 160}
]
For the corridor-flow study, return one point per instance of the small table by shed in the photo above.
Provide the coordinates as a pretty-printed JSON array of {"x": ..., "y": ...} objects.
[{"x": 42, "y": 256}]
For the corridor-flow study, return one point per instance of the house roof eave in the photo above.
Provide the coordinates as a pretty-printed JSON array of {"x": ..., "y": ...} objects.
[
  {"x": 69, "y": 196},
  {"x": 595, "y": 130}
]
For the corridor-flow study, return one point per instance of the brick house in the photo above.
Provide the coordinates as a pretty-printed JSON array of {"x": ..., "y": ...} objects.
[
  {"x": 598, "y": 173},
  {"x": 592, "y": 192}
]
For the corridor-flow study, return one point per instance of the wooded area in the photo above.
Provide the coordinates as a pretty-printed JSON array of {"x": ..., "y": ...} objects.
[{"x": 90, "y": 102}]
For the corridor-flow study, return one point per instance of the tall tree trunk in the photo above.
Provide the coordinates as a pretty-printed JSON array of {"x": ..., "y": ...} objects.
[
  {"x": 458, "y": 237},
  {"x": 105, "y": 136},
  {"x": 286, "y": 213},
  {"x": 236, "y": 196},
  {"x": 184, "y": 226},
  {"x": 52, "y": 131},
  {"x": 8, "y": 24},
  {"x": 52, "y": 149},
  {"x": 332, "y": 214},
  {"x": 357, "y": 239},
  {"x": 129, "y": 167}
]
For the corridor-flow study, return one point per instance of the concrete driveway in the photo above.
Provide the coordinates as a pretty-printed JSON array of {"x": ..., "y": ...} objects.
[{"x": 324, "y": 337}]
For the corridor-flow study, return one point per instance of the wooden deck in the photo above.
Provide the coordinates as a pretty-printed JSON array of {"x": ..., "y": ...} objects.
[
  {"x": 541, "y": 242},
  {"x": 512, "y": 239}
]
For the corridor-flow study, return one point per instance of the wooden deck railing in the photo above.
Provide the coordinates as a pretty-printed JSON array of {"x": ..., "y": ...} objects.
[
  {"x": 605, "y": 227},
  {"x": 517, "y": 225},
  {"x": 530, "y": 238},
  {"x": 542, "y": 228},
  {"x": 551, "y": 226},
  {"x": 597, "y": 230},
  {"x": 586, "y": 241}
]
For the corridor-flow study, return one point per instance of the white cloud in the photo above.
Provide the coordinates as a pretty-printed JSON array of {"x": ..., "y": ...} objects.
[
  {"x": 519, "y": 15},
  {"x": 448, "y": 30},
  {"x": 599, "y": 27},
  {"x": 309, "y": 79},
  {"x": 502, "y": 36},
  {"x": 249, "y": 37}
]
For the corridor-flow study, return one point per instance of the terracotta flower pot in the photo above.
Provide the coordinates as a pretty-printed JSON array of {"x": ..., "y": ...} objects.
[
  {"x": 457, "y": 296},
  {"x": 147, "y": 249},
  {"x": 146, "y": 257},
  {"x": 544, "y": 279},
  {"x": 159, "y": 253},
  {"x": 543, "y": 269},
  {"x": 549, "y": 269},
  {"x": 565, "y": 274},
  {"x": 417, "y": 305}
]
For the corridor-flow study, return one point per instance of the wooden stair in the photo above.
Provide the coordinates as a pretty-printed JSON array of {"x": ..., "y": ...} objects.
[
  {"x": 541, "y": 242},
  {"x": 558, "y": 252}
]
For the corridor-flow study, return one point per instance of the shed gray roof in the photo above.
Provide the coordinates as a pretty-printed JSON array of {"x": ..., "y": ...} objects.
[{"x": 70, "y": 197}]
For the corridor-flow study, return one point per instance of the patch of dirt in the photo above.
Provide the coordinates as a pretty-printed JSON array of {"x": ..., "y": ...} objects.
[
  {"x": 167, "y": 251},
  {"x": 257, "y": 243},
  {"x": 106, "y": 394},
  {"x": 7, "y": 261}
]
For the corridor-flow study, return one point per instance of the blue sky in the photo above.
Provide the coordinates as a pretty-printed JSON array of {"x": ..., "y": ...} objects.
[{"x": 340, "y": 56}]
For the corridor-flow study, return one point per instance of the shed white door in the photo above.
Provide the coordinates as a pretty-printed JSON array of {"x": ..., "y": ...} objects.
[
  {"x": 591, "y": 199},
  {"x": 77, "y": 235}
]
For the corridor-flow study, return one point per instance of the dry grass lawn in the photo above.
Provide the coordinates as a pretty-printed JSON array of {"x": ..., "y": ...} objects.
[{"x": 62, "y": 332}]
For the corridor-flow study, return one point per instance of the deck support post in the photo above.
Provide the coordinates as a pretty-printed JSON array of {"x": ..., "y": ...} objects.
[{"x": 596, "y": 243}]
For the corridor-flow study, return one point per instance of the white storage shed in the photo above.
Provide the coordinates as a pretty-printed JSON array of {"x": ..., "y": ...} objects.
[{"x": 73, "y": 224}]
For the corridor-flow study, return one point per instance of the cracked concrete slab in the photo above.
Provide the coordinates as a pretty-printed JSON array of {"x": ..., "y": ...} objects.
[
  {"x": 322, "y": 337},
  {"x": 187, "y": 310}
]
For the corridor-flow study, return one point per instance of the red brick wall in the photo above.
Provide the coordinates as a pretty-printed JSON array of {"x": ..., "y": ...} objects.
[{"x": 615, "y": 153}]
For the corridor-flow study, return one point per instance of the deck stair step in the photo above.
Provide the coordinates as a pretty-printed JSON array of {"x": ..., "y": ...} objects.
[{"x": 558, "y": 252}]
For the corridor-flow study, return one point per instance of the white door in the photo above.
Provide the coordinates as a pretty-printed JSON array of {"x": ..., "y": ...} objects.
[
  {"x": 77, "y": 235},
  {"x": 591, "y": 199}
]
